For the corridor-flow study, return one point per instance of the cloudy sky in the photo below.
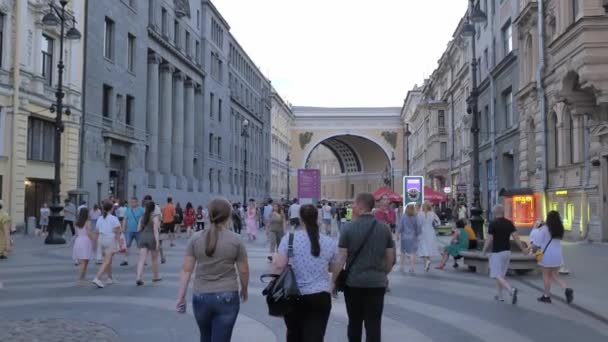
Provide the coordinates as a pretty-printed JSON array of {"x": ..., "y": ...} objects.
[{"x": 344, "y": 52}]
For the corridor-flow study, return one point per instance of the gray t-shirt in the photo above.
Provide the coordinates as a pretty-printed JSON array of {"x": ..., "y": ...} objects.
[
  {"x": 69, "y": 212},
  {"x": 216, "y": 273},
  {"x": 369, "y": 269}
]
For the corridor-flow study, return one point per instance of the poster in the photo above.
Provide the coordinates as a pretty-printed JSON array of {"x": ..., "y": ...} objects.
[
  {"x": 309, "y": 185},
  {"x": 413, "y": 189}
]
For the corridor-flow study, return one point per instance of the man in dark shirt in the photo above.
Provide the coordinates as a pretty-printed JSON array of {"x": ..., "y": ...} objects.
[
  {"x": 367, "y": 278},
  {"x": 500, "y": 232}
]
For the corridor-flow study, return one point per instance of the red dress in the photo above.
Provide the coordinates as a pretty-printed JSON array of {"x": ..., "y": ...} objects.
[{"x": 189, "y": 217}]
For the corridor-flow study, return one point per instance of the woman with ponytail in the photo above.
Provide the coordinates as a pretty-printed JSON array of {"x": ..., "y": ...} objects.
[
  {"x": 108, "y": 228},
  {"x": 313, "y": 255},
  {"x": 215, "y": 252}
]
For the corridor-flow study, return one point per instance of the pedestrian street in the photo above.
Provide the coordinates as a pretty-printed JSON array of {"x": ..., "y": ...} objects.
[{"x": 41, "y": 301}]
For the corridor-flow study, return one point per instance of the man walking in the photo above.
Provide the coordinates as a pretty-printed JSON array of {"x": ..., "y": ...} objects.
[
  {"x": 367, "y": 278},
  {"x": 69, "y": 216},
  {"x": 294, "y": 213},
  {"x": 499, "y": 234},
  {"x": 267, "y": 212},
  {"x": 169, "y": 220},
  {"x": 130, "y": 225}
]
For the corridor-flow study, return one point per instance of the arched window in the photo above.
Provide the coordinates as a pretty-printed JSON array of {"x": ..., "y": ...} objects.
[{"x": 529, "y": 61}]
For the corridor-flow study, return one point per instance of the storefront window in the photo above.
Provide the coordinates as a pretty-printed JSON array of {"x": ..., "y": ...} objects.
[
  {"x": 568, "y": 216},
  {"x": 524, "y": 210}
]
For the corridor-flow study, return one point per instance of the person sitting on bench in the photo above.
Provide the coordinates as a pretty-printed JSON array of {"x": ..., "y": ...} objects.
[
  {"x": 472, "y": 236},
  {"x": 459, "y": 243}
]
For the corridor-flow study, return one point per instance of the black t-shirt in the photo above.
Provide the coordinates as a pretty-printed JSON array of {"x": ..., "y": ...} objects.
[{"x": 501, "y": 229}]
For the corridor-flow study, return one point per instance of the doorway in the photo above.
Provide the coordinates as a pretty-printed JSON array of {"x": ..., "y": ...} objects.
[
  {"x": 37, "y": 192},
  {"x": 117, "y": 181}
]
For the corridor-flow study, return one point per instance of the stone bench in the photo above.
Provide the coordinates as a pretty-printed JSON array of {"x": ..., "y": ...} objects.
[{"x": 520, "y": 263}]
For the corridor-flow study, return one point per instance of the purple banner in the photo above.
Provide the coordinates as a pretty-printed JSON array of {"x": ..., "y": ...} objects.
[
  {"x": 413, "y": 189},
  {"x": 309, "y": 183}
]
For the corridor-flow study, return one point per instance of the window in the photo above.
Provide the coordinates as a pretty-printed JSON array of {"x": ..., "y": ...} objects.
[
  {"x": 441, "y": 119},
  {"x": 443, "y": 150},
  {"x": 198, "y": 19},
  {"x": 47, "y": 59},
  {"x": 211, "y": 100},
  {"x": 568, "y": 216},
  {"x": 486, "y": 59},
  {"x": 2, "y": 17},
  {"x": 197, "y": 52},
  {"x": 210, "y": 180},
  {"x": 219, "y": 181},
  {"x": 219, "y": 147},
  {"x": 571, "y": 139},
  {"x": 575, "y": 7},
  {"x": 108, "y": 39},
  {"x": 555, "y": 137},
  {"x": 106, "y": 105},
  {"x": 176, "y": 34},
  {"x": 211, "y": 143},
  {"x": 219, "y": 110},
  {"x": 486, "y": 123},
  {"x": 188, "y": 52},
  {"x": 508, "y": 101},
  {"x": 507, "y": 37},
  {"x": 165, "y": 23},
  {"x": 508, "y": 174},
  {"x": 130, "y": 112},
  {"x": 131, "y": 52},
  {"x": 40, "y": 140}
]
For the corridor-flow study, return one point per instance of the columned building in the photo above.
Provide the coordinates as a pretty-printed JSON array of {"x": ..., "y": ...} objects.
[
  {"x": 282, "y": 119},
  {"x": 29, "y": 52}
]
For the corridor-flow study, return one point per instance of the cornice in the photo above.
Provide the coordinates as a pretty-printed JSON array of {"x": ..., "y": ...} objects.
[{"x": 175, "y": 52}]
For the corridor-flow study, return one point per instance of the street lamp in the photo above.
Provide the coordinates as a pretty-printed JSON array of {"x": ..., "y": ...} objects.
[
  {"x": 245, "y": 135},
  {"x": 407, "y": 134},
  {"x": 475, "y": 16},
  {"x": 58, "y": 16},
  {"x": 393, "y": 170},
  {"x": 288, "y": 161}
]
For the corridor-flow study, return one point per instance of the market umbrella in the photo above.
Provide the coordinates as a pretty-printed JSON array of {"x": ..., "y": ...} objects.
[
  {"x": 392, "y": 196},
  {"x": 434, "y": 196}
]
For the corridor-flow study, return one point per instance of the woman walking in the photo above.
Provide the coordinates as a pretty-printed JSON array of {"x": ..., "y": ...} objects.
[
  {"x": 313, "y": 255},
  {"x": 108, "y": 228},
  {"x": 189, "y": 217},
  {"x": 179, "y": 221},
  {"x": 215, "y": 252},
  {"x": 427, "y": 247},
  {"x": 200, "y": 219},
  {"x": 83, "y": 247},
  {"x": 251, "y": 221},
  {"x": 549, "y": 240},
  {"x": 458, "y": 243},
  {"x": 45, "y": 212},
  {"x": 408, "y": 231},
  {"x": 276, "y": 228},
  {"x": 94, "y": 215},
  {"x": 149, "y": 241}
]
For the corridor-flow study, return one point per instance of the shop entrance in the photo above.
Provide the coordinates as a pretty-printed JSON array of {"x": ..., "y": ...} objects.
[
  {"x": 116, "y": 181},
  {"x": 37, "y": 192}
]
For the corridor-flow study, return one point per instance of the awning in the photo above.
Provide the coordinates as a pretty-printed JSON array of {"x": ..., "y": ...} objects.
[
  {"x": 392, "y": 196},
  {"x": 434, "y": 196}
]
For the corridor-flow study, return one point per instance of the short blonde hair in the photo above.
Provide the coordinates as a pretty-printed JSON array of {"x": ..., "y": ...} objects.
[
  {"x": 427, "y": 206},
  {"x": 410, "y": 209}
]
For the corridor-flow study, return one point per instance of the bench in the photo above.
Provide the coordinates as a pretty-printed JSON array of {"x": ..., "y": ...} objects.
[{"x": 520, "y": 263}]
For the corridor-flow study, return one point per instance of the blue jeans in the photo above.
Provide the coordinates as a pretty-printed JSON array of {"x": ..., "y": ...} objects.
[{"x": 216, "y": 314}]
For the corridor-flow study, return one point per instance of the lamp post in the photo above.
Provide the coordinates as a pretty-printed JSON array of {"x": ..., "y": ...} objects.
[
  {"x": 58, "y": 16},
  {"x": 393, "y": 171},
  {"x": 407, "y": 134},
  {"x": 288, "y": 161},
  {"x": 245, "y": 135},
  {"x": 474, "y": 16}
]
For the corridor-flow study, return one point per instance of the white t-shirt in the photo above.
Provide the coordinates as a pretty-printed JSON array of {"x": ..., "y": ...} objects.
[
  {"x": 121, "y": 211},
  {"x": 327, "y": 212},
  {"x": 294, "y": 211},
  {"x": 105, "y": 225}
]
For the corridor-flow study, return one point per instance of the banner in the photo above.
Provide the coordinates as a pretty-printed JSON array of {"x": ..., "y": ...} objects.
[
  {"x": 413, "y": 189},
  {"x": 309, "y": 185}
]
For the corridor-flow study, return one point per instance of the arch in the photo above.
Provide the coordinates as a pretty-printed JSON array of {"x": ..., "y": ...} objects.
[{"x": 306, "y": 153}]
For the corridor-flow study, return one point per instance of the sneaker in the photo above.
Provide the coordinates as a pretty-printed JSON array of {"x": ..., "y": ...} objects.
[
  {"x": 124, "y": 263},
  {"x": 499, "y": 298},
  {"x": 569, "y": 295},
  {"x": 98, "y": 283},
  {"x": 544, "y": 299},
  {"x": 139, "y": 283},
  {"x": 99, "y": 262},
  {"x": 163, "y": 260},
  {"x": 514, "y": 296},
  {"x": 269, "y": 258},
  {"x": 110, "y": 281}
]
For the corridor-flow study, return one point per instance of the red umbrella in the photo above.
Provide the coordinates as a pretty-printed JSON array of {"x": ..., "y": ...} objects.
[
  {"x": 434, "y": 196},
  {"x": 392, "y": 196}
]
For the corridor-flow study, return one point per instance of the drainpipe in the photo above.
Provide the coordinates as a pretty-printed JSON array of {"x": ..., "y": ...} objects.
[
  {"x": 83, "y": 92},
  {"x": 542, "y": 103}
]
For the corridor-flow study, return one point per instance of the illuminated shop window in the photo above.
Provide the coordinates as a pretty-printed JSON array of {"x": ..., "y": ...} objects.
[
  {"x": 523, "y": 210},
  {"x": 568, "y": 216}
]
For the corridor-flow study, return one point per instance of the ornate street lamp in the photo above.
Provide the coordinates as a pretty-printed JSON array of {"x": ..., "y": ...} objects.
[
  {"x": 407, "y": 134},
  {"x": 288, "y": 161},
  {"x": 475, "y": 16},
  {"x": 245, "y": 135},
  {"x": 58, "y": 16}
]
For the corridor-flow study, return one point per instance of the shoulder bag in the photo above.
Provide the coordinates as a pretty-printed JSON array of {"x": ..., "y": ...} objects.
[
  {"x": 282, "y": 292},
  {"x": 343, "y": 276},
  {"x": 541, "y": 254}
]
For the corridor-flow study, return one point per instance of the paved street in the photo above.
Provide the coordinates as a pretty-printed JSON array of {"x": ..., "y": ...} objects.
[{"x": 41, "y": 302}]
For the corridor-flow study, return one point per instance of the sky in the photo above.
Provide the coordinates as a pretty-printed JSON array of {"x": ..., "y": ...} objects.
[{"x": 341, "y": 53}]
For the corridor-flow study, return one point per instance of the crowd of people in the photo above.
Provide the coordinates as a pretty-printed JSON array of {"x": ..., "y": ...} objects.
[{"x": 356, "y": 238}]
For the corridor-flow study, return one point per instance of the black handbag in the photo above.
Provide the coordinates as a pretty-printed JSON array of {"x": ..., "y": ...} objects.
[
  {"x": 343, "y": 276},
  {"x": 282, "y": 292}
]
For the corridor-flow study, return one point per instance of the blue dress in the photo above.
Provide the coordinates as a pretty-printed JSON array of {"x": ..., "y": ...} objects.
[{"x": 409, "y": 229}]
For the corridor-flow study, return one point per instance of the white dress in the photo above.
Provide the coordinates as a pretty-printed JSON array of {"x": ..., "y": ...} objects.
[
  {"x": 427, "y": 244},
  {"x": 552, "y": 256}
]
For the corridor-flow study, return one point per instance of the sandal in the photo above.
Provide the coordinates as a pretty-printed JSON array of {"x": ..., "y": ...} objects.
[{"x": 156, "y": 280}]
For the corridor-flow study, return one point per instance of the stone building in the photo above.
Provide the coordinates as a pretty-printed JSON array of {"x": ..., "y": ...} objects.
[
  {"x": 281, "y": 120},
  {"x": 29, "y": 52},
  {"x": 167, "y": 127},
  {"x": 564, "y": 109}
]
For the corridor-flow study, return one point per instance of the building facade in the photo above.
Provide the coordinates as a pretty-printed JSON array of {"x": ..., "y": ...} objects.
[
  {"x": 167, "y": 127},
  {"x": 282, "y": 119},
  {"x": 29, "y": 52}
]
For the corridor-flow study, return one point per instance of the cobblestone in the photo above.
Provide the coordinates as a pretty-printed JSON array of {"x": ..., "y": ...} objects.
[{"x": 55, "y": 330}]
